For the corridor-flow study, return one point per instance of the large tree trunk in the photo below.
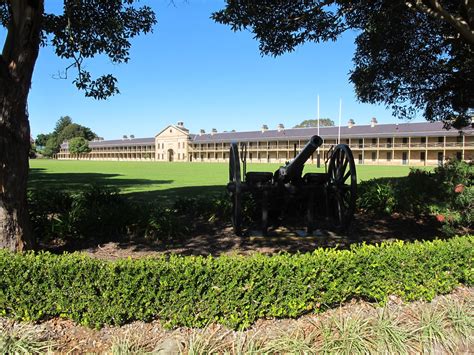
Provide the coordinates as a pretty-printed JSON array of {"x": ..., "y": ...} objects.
[{"x": 16, "y": 68}]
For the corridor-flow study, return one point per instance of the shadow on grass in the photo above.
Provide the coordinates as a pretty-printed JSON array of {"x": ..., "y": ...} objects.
[
  {"x": 216, "y": 237},
  {"x": 73, "y": 182},
  {"x": 170, "y": 195}
]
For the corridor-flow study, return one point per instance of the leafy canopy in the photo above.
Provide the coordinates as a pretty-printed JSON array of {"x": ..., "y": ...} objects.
[
  {"x": 323, "y": 122},
  {"x": 410, "y": 54},
  {"x": 86, "y": 29},
  {"x": 64, "y": 130},
  {"x": 79, "y": 145}
]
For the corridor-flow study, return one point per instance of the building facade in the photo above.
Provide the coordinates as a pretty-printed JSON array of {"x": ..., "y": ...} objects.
[{"x": 411, "y": 144}]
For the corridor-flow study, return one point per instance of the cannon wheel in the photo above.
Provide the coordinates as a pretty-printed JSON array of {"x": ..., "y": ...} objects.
[
  {"x": 342, "y": 187},
  {"x": 236, "y": 194}
]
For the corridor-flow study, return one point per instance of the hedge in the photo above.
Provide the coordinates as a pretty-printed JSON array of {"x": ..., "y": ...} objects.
[{"x": 231, "y": 290}]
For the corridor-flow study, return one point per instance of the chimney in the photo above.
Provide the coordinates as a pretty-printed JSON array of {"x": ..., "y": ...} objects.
[
  {"x": 264, "y": 128},
  {"x": 201, "y": 132},
  {"x": 214, "y": 131},
  {"x": 350, "y": 123},
  {"x": 373, "y": 122},
  {"x": 280, "y": 127},
  {"x": 180, "y": 124}
]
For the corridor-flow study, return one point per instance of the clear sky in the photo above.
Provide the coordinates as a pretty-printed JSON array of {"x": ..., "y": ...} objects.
[{"x": 194, "y": 70}]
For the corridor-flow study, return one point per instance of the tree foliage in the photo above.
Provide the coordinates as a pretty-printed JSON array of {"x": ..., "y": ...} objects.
[
  {"x": 410, "y": 55},
  {"x": 64, "y": 130},
  {"x": 79, "y": 145},
  {"x": 323, "y": 122},
  {"x": 86, "y": 29}
]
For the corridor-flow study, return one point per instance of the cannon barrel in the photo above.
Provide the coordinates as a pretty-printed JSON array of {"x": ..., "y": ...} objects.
[{"x": 294, "y": 168}]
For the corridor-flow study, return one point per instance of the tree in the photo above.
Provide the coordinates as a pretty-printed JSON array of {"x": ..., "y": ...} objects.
[
  {"x": 62, "y": 123},
  {"x": 64, "y": 130},
  {"x": 83, "y": 30},
  {"x": 323, "y": 122},
  {"x": 410, "y": 54},
  {"x": 79, "y": 145},
  {"x": 41, "y": 139}
]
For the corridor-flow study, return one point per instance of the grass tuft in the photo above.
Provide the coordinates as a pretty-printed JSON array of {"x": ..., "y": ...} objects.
[
  {"x": 389, "y": 336},
  {"x": 23, "y": 339},
  {"x": 245, "y": 343},
  {"x": 346, "y": 334},
  {"x": 295, "y": 342},
  {"x": 205, "y": 341},
  {"x": 127, "y": 345},
  {"x": 460, "y": 317},
  {"x": 432, "y": 330}
]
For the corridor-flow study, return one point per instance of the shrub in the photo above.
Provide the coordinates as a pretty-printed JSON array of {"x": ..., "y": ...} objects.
[
  {"x": 447, "y": 193},
  {"x": 100, "y": 213},
  {"x": 232, "y": 290},
  {"x": 47, "y": 208},
  {"x": 377, "y": 197}
]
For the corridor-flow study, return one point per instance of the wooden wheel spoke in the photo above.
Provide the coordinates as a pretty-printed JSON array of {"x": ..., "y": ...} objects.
[
  {"x": 342, "y": 186},
  {"x": 346, "y": 176}
]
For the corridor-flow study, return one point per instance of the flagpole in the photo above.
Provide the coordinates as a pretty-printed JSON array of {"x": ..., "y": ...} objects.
[
  {"x": 318, "y": 116},
  {"x": 318, "y": 158},
  {"x": 339, "y": 130}
]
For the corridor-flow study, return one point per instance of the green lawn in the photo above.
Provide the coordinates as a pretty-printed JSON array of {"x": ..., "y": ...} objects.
[{"x": 149, "y": 180}]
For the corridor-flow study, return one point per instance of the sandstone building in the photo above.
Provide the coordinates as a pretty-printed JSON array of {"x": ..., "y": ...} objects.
[{"x": 422, "y": 143}]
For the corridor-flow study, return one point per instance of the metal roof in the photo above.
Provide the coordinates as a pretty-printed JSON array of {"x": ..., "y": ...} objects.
[
  {"x": 118, "y": 142},
  {"x": 418, "y": 129}
]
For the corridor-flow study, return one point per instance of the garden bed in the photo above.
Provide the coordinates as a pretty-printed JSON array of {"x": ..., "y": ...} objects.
[{"x": 356, "y": 327}]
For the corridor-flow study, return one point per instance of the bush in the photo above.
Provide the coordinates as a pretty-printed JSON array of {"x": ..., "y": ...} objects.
[
  {"x": 47, "y": 208},
  {"x": 96, "y": 213},
  {"x": 447, "y": 193},
  {"x": 377, "y": 196},
  {"x": 99, "y": 213},
  {"x": 232, "y": 290}
]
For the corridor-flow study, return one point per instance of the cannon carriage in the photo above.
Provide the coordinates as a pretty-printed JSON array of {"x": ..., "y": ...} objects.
[{"x": 330, "y": 195}]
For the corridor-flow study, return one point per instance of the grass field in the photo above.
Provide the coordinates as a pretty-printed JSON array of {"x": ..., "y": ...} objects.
[{"x": 150, "y": 180}]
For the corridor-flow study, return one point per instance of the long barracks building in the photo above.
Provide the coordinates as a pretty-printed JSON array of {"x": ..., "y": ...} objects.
[{"x": 376, "y": 144}]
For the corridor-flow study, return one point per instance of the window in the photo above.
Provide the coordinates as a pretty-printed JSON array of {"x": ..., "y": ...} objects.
[
  {"x": 423, "y": 139},
  {"x": 422, "y": 156},
  {"x": 389, "y": 156},
  {"x": 440, "y": 139},
  {"x": 374, "y": 156},
  {"x": 458, "y": 155},
  {"x": 361, "y": 143},
  {"x": 389, "y": 142},
  {"x": 374, "y": 140},
  {"x": 405, "y": 140},
  {"x": 171, "y": 131},
  {"x": 179, "y": 145},
  {"x": 459, "y": 139}
]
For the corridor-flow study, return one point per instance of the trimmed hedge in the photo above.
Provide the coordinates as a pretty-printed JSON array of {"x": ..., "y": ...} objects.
[{"x": 232, "y": 290}]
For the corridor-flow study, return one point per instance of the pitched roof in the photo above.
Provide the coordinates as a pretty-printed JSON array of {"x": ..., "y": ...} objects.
[
  {"x": 379, "y": 130},
  {"x": 418, "y": 129},
  {"x": 118, "y": 142}
]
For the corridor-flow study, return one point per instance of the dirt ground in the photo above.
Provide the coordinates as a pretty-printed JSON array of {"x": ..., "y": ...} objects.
[
  {"x": 219, "y": 239},
  {"x": 70, "y": 338}
]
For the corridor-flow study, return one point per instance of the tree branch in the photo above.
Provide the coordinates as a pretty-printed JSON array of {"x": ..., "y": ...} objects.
[{"x": 436, "y": 10}]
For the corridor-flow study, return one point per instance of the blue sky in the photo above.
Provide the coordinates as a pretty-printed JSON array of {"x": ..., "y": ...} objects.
[{"x": 194, "y": 70}]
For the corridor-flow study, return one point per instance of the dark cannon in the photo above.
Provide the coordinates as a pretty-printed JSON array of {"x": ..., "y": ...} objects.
[{"x": 331, "y": 195}]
